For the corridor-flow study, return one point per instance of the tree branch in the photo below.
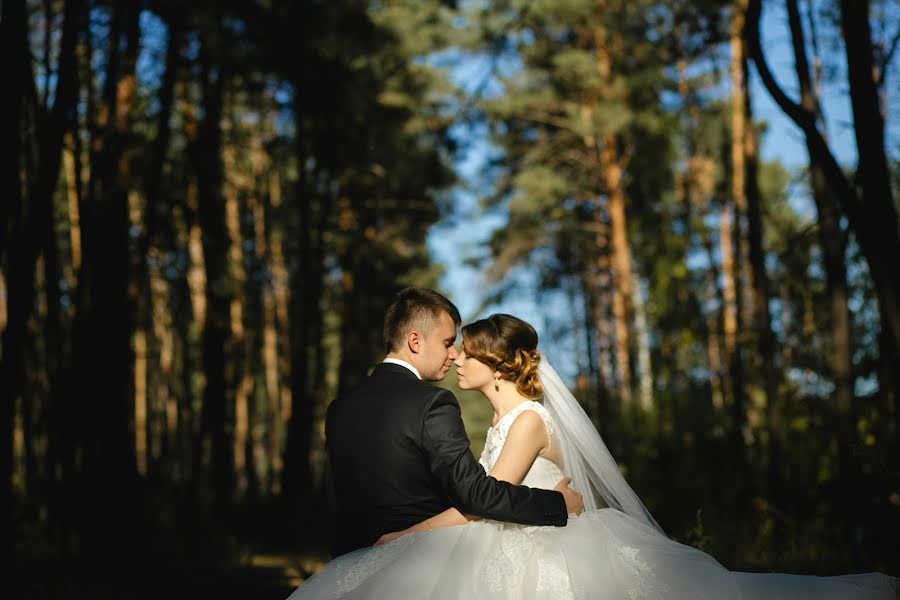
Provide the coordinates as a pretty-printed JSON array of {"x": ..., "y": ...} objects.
[
  {"x": 887, "y": 58},
  {"x": 797, "y": 113},
  {"x": 804, "y": 119}
]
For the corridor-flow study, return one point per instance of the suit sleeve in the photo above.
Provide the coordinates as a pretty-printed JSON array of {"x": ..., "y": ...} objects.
[{"x": 469, "y": 488}]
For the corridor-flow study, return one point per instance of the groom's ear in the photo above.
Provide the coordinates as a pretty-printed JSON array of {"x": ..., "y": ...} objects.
[{"x": 414, "y": 341}]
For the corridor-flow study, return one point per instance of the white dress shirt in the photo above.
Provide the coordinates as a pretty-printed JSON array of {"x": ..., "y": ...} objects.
[{"x": 403, "y": 363}]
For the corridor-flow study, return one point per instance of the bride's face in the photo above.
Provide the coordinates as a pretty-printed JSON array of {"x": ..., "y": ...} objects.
[{"x": 472, "y": 373}]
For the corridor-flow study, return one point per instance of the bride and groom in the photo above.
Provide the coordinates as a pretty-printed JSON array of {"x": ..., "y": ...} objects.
[{"x": 416, "y": 516}]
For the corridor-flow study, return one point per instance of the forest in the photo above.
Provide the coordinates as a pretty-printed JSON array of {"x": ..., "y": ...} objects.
[{"x": 207, "y": 207}]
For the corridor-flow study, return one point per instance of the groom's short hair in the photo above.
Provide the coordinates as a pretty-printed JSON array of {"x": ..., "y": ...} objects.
[{"x": 415, "y": 308}]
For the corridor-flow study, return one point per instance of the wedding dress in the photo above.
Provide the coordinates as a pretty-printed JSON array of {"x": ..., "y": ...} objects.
[{"x": 612, "y": 552}]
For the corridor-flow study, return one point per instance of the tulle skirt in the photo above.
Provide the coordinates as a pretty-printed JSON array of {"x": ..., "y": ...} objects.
[{"x": 600, "y": 554}]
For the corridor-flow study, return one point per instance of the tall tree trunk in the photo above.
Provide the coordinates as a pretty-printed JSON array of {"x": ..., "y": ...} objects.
[
  {"x": 873, "y": 175},
  {"x": 154, "y": 211},
  {"x": 104, "y": 320},
  {"x": 831, "y": 240},
  {"x": 147, "y": 265},
  {"x": 74, "y": 192},
  {"x": 623, "y": 279},
  {"x": 700, "y": 183},
  {"x": 762, "y": 321},
  {"x": 276, "y": 303},
  {"x": 317, "y": 325},
  {"x": 54, "y": 363},
  {"x": 17, "y": 78},
  {"x": 697, "y": 187},
  {"x": 69, "y": 415},
  {"x": 240, "y": 377},
  {"x": 731, "y": 230},
  {"x": 611, "y": 170},
  {"x": 189, "y": 324},
  {"x": 297, "y": 474},
  {"x": 14, "y": 46},
  {"x": 219, "y": 287},
  {"x": 642, "y": 333},
  {"x": 598, "y": 275}
]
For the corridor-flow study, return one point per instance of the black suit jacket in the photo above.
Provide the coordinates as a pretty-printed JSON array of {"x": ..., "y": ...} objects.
[{"x": 398, "y": 454}]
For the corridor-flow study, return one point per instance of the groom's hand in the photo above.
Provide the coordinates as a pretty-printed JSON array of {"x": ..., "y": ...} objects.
[
  {"x": 387, "y": 538},
  {"x": 574, "y": 501}
]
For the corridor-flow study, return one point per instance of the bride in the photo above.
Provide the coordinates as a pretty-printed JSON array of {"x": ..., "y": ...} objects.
[{"x": 614, "y": 550}]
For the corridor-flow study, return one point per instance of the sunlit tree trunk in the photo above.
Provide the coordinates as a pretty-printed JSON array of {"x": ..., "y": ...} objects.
[
  {"x": 240, "y": 361},
  {"x": 730, "y": 230},
  {"x": 74, "y": 191},
  {"x": 160, "y": 408},
  {"x": 163, "y": 325},
  {"x": 189, "y": 323},
  {"x": 642, "y": 333},
  {"x": 611, "y": 168},
  {"x": 276, "y": 303},
  {"x": 623, "y": 283}
]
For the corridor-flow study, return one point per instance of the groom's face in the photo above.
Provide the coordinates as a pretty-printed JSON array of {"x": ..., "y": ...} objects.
[{"x": 438, "y": 352}]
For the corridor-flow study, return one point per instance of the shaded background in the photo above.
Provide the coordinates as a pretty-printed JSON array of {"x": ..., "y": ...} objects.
[{"x": 207, "y": 207}]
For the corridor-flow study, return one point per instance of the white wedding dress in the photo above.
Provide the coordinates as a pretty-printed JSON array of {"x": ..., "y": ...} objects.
[{"x": 603, "y": 553}]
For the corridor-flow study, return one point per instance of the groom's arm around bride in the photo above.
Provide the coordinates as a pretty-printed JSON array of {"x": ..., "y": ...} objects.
[{"x": 397, "y": 447}]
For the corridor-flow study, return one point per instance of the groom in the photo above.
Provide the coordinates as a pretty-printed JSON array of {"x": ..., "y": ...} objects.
[{"x": 397, "y": 449}]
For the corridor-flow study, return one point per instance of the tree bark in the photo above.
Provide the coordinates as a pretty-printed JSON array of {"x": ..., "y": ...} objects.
[
  {"x": 104, "y": 322},
  {"x": 765, "y": 338},
  {"x": 14, "y": 46},
  {"x": 731, "y": 231},
  {"x": 831, "y": 240},
  {"x": 148, "y": 310},
  {"x": 298, "y": 472},
  {"x": 623, "y": 281},
  {"x": 219, "y": 287},
  {"x": 873, "y": 175}
]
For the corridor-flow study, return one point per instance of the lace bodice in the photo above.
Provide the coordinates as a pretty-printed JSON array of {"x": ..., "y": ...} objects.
[{"x": 544, "y": 473}]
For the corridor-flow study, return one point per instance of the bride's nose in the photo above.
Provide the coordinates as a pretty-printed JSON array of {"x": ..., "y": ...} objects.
[{"x": 460, "y": 357}]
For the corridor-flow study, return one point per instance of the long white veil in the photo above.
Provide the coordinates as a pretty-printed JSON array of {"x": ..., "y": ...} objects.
[{"x": 586, "y": 458}]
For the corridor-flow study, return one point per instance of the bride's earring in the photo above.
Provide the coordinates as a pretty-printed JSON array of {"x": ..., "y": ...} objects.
[{"x": 496, "y": 383}]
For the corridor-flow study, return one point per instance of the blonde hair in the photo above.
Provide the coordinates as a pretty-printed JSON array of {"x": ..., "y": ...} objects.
[{"x": 508, "y": 345}]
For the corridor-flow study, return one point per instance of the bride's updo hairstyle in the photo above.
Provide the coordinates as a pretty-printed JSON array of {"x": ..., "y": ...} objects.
[{"x": 508, "y": 345}]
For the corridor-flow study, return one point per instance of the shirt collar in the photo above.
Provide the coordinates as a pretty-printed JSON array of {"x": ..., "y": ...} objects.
[{"x": 403, "y": 363}]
